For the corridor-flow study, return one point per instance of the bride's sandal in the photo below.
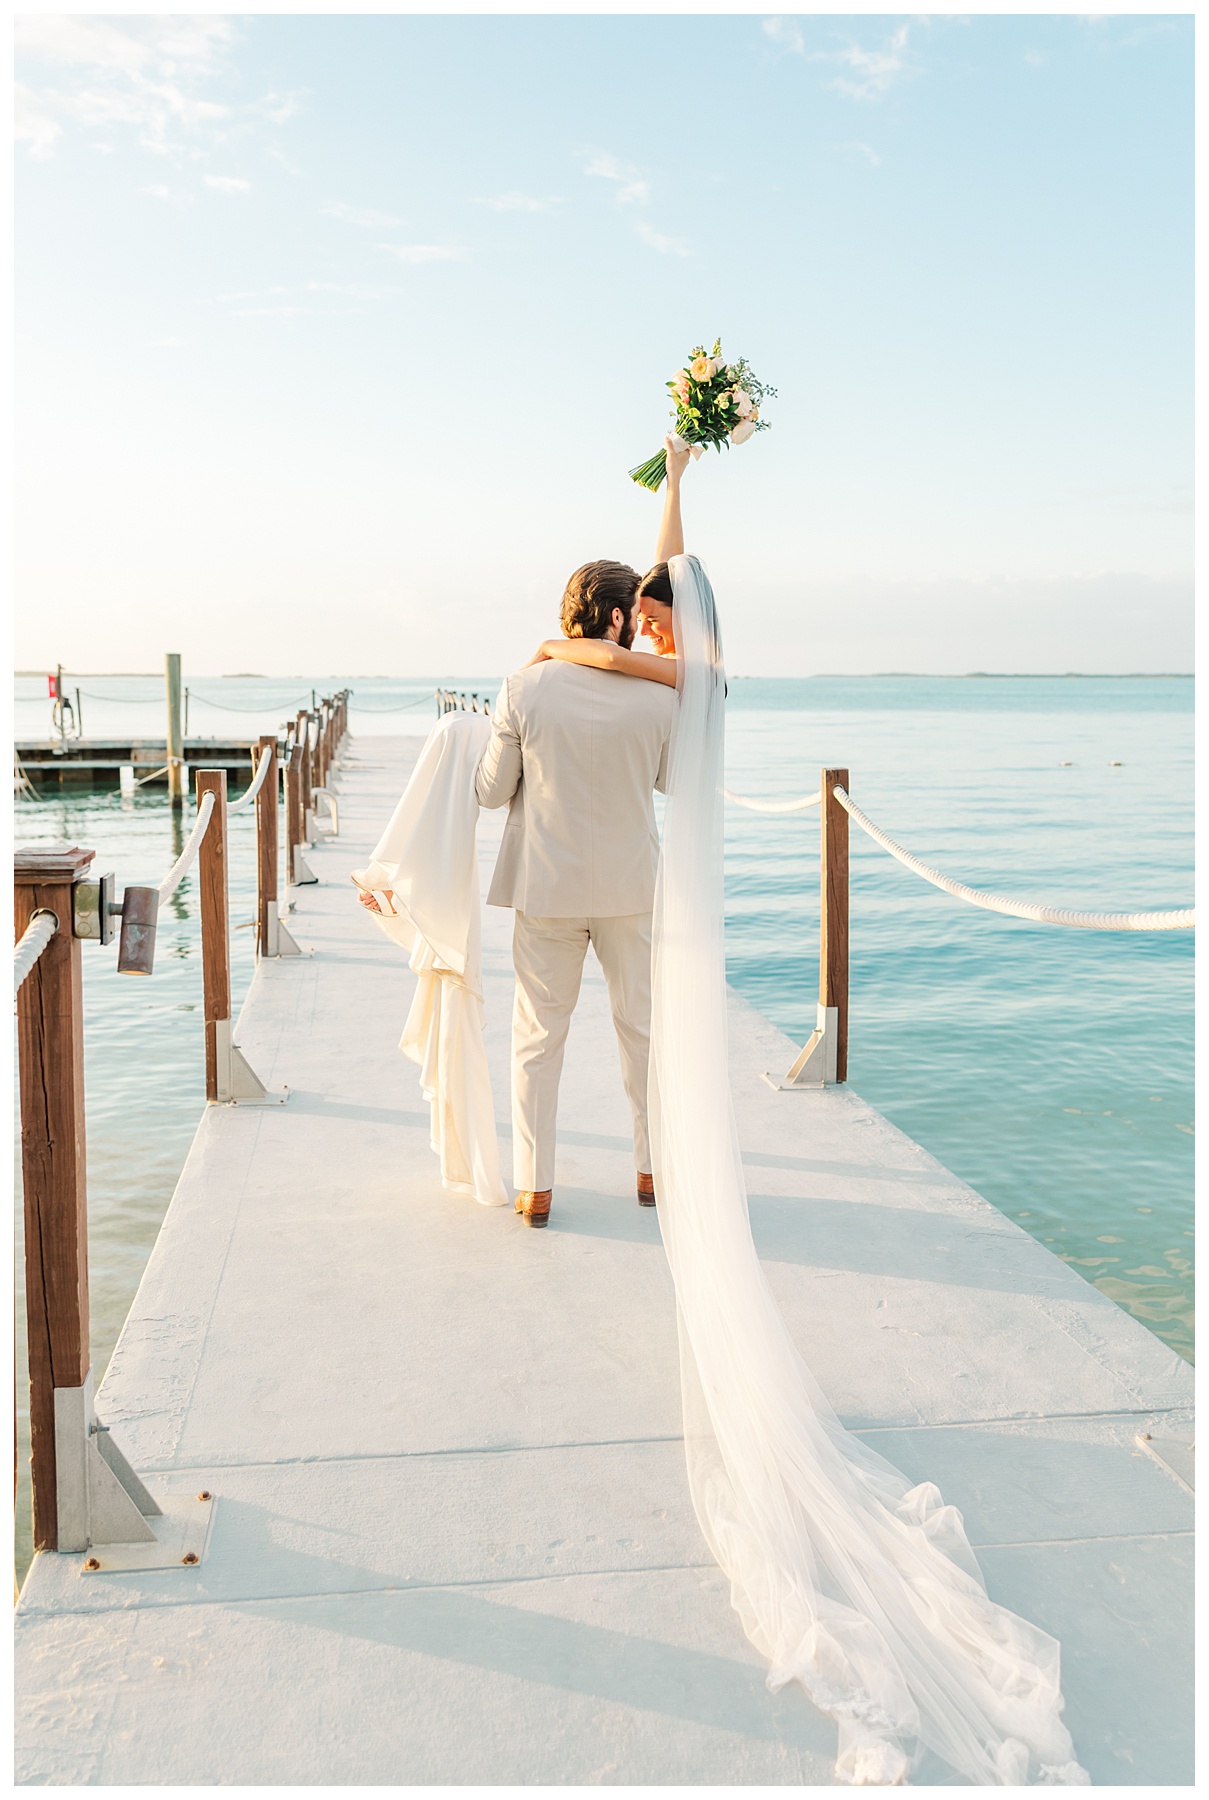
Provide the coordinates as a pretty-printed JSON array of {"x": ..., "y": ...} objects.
[{"x": 646, "y": 1190}]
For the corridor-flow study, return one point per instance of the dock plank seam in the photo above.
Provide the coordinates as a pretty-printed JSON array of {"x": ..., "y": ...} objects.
[{"x": 529, "y": 1579}]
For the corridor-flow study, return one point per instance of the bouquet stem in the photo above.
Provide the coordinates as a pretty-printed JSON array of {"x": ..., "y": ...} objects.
[{"x": 651, "y": 474}]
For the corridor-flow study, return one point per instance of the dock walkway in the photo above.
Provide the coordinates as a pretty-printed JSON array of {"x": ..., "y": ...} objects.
[{"x": 452, "y": 1539}]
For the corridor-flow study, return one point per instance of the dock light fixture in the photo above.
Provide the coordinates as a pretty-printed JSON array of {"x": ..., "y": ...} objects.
[
  {"x": 93, "y": 908},
  {"x": 136, "y": 946}
]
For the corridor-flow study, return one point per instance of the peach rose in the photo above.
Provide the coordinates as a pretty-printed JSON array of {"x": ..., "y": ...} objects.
[
  {"x": 701, "y": 368},
  {"x": 743, "y": 404},
  {"x": 680, "y": 387},
  {"x": 742, "y": 431}
]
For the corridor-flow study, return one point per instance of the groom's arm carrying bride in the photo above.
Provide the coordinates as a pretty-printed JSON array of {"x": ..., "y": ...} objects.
[{"x": 576, "y": 756}]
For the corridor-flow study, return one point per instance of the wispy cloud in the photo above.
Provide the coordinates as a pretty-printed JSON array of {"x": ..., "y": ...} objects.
[
  {"x": 855, "y": 150},
  {"x": 871, "y": 73},
  {"x": 666, "y": 246},
  {"x": 523, "y": 203},
  {"x": 415, "y": 254},
  {"x": 33, "y": 125},
  {"x": 786, "y": 33},
  {"x": 228, "y": 184},
  {"x": 268, "y": 293},
  {"x": 142, "y": 73},
  {"x": 156, "y": 76},
  {"x": 631, "y": 188},
  {"x": 364, "y": 216},
  {"x": 158, "y": 191},
  {"x": 349, "y": 291},
  {"x": 278, "y": 108},
  {"x": 270, "y": 312}
]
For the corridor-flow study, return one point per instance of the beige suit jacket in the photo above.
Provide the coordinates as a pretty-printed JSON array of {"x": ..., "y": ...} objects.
[{"x": 578, "y": 753}]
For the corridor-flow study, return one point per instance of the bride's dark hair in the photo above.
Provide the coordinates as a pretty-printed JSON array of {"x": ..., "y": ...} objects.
[{"x": 656, "y": 584}]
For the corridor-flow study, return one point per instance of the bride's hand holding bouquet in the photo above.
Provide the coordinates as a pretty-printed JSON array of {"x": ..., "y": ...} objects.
[{"x": 717, "y": 402}]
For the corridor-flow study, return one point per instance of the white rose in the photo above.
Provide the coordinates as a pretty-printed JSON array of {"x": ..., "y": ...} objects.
[{"x": 742, "y": 431}]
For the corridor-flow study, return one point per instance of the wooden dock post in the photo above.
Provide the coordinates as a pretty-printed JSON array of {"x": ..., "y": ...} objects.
[
  {"x": 228, "y": 1075},
  {"x": 216, "y": 951},
  {"x": 298, "y": 873},
  {"x": 833, "y": 913},
  {"x": 306, "y": 772},
  {"x": 50, "y": 1038},
  {"x": 293, "y": 806},
  {"x": 84, "y": 1490},
  {"x": 824, "y": 1057},
  {"x": 176, "y": 740},
  {"x": 266, "y": 849}
]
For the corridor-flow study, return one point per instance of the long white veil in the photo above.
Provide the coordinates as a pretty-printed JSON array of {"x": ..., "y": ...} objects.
[{"x": 851, "y": 1581}]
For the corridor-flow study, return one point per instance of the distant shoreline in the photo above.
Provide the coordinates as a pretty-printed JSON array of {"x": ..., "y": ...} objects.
[{"x": 984, "y": 675}]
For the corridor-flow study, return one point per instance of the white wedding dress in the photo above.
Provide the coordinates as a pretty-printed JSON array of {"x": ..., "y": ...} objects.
[
  {"x": 426, "y": 859},
  {"x": 850, "y": 1580}
]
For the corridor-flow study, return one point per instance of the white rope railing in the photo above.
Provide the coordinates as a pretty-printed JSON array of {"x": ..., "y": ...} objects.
[
  {"x": 772, "y": 806},
  {"x": 249, "y": 798},
  {"x": 1018, "y": 909},
  {"x": 33, "y": 941},
  {"x": 177, "y": 872}
]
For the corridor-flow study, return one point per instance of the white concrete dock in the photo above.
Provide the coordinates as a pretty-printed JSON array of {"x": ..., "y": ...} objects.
[{"x": 452, "y": 1539}]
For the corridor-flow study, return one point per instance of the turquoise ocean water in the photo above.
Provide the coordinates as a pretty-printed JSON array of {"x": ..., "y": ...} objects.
[{"x": 1051, "y": 1068}]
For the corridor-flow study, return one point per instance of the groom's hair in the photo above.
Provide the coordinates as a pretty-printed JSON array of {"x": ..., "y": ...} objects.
[{"x": 592, "y": 593}]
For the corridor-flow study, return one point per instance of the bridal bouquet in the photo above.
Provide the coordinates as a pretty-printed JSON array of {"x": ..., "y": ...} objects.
[{"x": 717, "y": 402}]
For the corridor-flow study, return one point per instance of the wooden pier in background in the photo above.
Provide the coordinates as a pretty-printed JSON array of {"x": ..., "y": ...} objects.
[{"x": 450, "y": 1538}]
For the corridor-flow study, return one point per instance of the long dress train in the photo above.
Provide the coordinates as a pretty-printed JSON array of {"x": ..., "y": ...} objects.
[{"x": 851, "y": 1581}]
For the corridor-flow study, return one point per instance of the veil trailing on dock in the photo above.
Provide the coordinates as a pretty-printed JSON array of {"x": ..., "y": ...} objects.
[{"x": 849, "y": 1579}]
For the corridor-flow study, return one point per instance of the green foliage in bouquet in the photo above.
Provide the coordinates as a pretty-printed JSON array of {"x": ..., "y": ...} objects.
[{"x": 717, "y": 402}]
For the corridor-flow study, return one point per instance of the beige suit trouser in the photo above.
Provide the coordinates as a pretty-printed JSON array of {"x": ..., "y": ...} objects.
[{"x": 549, "y": 958}]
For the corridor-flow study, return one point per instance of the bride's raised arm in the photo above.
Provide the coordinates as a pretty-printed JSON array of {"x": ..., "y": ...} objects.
[
  {"x": 671, "y": 531},
  {"x": 603, "y": 653}
]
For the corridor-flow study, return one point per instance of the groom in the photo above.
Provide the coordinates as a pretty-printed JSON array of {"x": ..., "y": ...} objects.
[{"x": 576, "y": 753}]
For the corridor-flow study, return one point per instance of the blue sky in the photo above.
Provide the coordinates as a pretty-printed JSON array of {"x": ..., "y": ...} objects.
[{"x": 337, "y": 335}]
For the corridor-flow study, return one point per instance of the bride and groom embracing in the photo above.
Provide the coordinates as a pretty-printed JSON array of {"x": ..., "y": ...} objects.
[{"x": 852, "y": 1581}]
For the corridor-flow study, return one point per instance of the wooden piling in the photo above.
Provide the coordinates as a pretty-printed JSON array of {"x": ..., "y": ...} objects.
[
  {"x": 50, "y": 1040},
  {"x": 266, "y": 847},
  {"x": 833, "y": 938},
  {"x": 176, "y": 738},
  {"x": 304, "y": 740},
  {"x": 216, "y": 943},
  {"x": 294, "y": 818}
]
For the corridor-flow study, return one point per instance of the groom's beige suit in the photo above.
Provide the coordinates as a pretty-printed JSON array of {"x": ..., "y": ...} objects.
[{"x": 578, "y": 754}]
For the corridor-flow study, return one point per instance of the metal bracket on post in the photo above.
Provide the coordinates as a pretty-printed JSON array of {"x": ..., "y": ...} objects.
[
  {"x": 280, "y": 941},
  {"x": 237, "y": 1079},
  {"x": 301, "y": 875},
  {"x": 815, "y": 1065},
  {"x": 104, "y": 1508},
  {"x": 333, "y": 809}
]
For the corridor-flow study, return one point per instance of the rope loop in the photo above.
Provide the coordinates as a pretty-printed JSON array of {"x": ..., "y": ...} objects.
[
  {"x": 772, "y": 806},
  {"x": 248, "y": 799},
  {"x": 37, "y": 934},
  {"x": 1184, "y": 920},
  {"x": 180, "y": 867}
]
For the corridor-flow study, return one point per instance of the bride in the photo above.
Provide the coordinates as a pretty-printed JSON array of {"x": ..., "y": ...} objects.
[{"x": 850, "y": 1580}]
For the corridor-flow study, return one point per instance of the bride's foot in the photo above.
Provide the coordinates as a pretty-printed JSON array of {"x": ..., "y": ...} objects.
[
  {"x": 534, "y": 1208},
  {"x": 646, "y": 1190}
]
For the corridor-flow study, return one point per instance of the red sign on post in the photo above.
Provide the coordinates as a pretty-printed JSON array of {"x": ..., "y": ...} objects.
[{"x": 52, "y": 687}]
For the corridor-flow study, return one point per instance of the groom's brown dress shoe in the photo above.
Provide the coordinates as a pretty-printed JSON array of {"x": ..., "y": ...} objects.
[
  {"x": 534, "y": 1208},
  {"x": 646, "y": 1190}
]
